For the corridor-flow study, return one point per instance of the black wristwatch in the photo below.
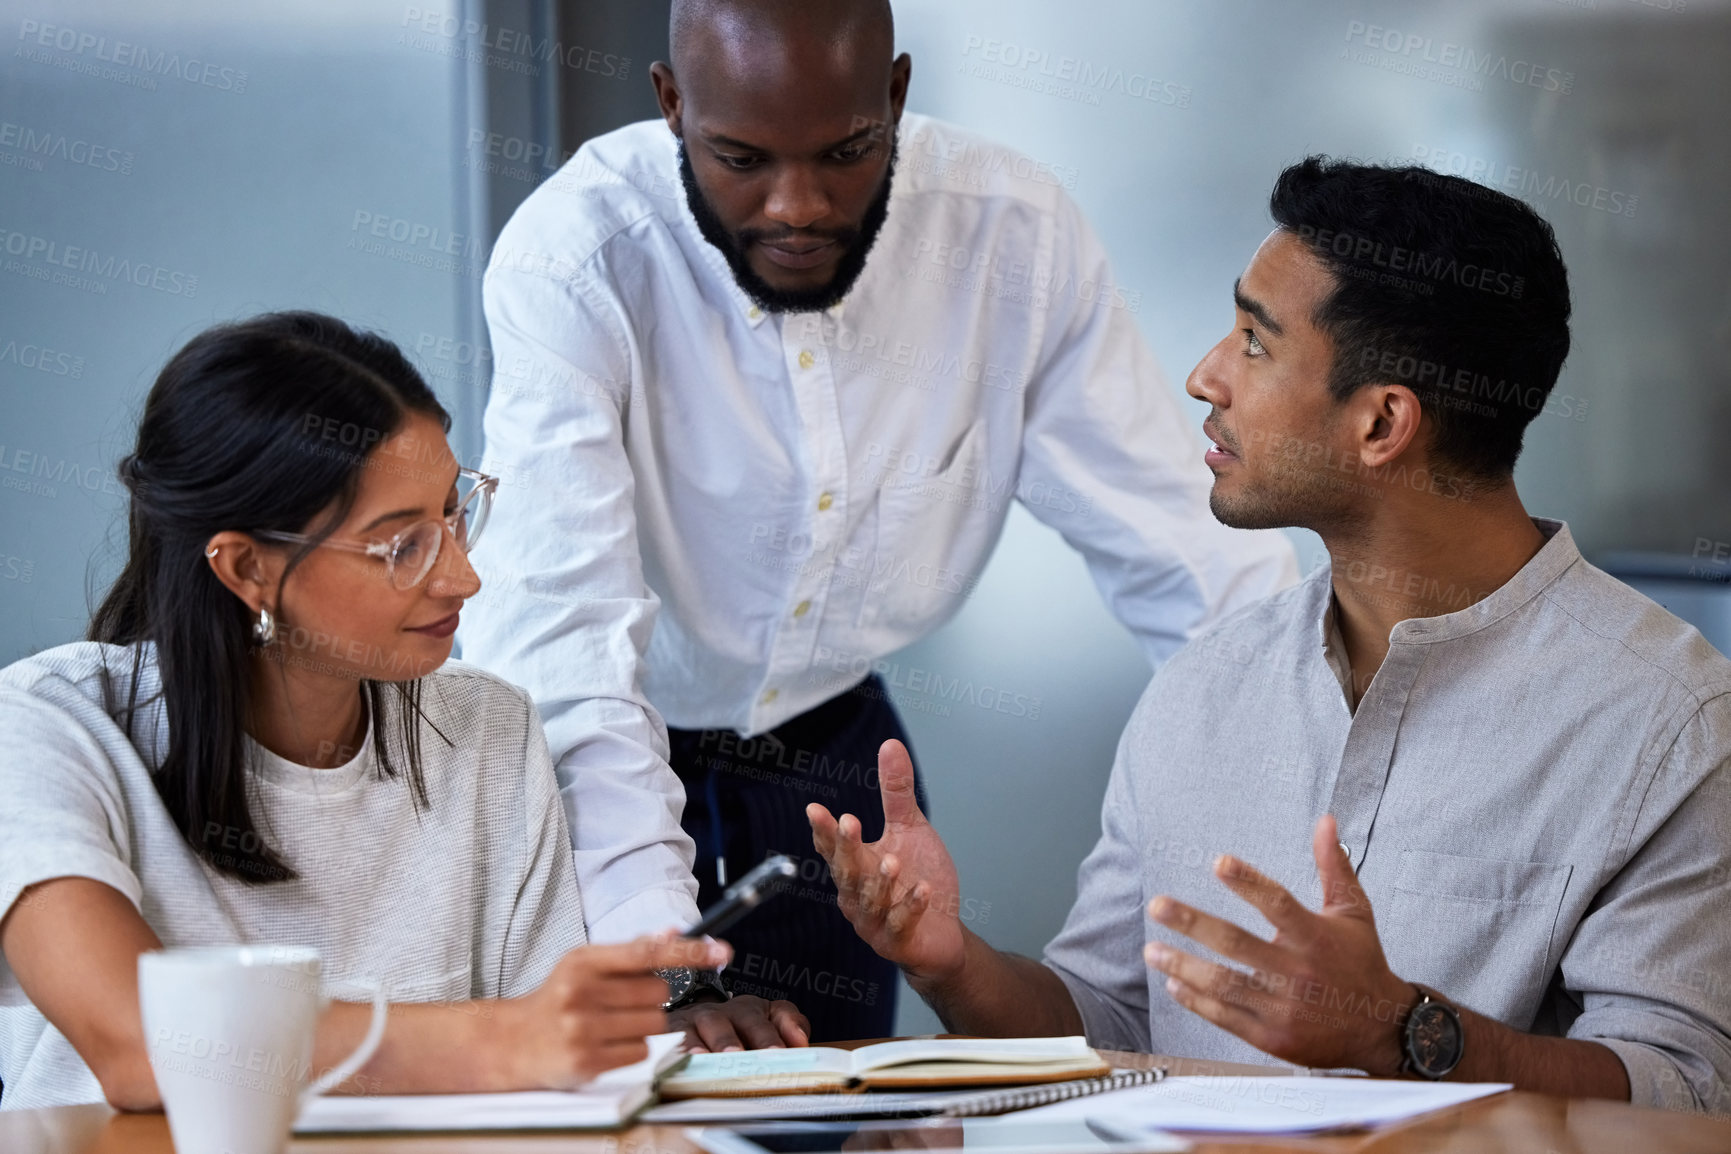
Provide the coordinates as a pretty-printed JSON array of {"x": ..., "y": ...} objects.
[
  {"x": 1432, "y": 1040},
  {"x": 686, "y": 985}
]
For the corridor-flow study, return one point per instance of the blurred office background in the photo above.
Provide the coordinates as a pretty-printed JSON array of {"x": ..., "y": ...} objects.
[{"x": 223, "y": 157}]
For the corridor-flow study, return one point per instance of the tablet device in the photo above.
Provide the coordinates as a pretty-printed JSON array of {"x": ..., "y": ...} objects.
[{"x": 1005, "y": 1135}]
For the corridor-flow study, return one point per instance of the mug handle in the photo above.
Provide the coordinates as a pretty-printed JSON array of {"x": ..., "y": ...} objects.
[{"x": 362, "y": 1054}]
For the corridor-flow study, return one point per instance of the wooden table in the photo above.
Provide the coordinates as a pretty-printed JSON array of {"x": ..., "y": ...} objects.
[{"x": 1513, "y": 1123}]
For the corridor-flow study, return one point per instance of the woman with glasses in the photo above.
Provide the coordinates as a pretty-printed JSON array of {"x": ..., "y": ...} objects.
[{"x": 262, "y": 740}]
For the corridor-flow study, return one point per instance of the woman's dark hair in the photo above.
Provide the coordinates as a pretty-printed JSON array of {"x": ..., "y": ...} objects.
[
  {"x": 258, "y": 425},
  {"x": 1453, "y": 289}
]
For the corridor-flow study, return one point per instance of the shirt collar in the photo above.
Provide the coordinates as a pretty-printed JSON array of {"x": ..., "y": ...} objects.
[
  {"x": 1554, "y": 557},
  {"x": 298, "y": 778},
  {"x": 1334, "y": 647},
  {"x": 711, "y": 256}
]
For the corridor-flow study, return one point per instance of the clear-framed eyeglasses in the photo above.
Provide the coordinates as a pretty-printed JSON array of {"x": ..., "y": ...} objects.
[{"x": 410, "y": 555}]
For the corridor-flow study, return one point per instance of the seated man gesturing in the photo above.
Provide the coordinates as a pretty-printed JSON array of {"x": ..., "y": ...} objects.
[{"x": 1484, "y": 785}]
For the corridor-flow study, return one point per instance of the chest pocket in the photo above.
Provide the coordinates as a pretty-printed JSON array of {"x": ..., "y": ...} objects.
[
  {"x": 933, "y": 536},
  {"x": 1479, "y": 930}
]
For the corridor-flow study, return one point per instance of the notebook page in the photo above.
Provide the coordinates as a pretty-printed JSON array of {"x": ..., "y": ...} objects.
[
  {"x": 1011, "y": 1051},
  {"x": 606, "y": 1101}
]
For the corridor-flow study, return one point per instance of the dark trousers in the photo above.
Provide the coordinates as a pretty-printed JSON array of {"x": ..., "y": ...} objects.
[{"x": 746, "y": 798}]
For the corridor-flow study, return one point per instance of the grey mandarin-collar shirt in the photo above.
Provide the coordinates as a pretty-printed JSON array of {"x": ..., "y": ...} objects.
[{"x": 1535, "y": 792}]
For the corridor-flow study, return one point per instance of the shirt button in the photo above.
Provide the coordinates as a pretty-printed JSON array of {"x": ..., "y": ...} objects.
[
  {"x": 800, "y": 609},
  {"x": 1347, "y": 850},
  {"x": 806, "y": 360},
  {"x": 754, "y": 312},
  {"x": 769, "y": 695},
  {"x": 824, "y": 501}
]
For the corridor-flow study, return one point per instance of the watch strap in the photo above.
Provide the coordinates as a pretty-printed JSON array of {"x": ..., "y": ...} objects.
[{"x": 702, "y": 982}]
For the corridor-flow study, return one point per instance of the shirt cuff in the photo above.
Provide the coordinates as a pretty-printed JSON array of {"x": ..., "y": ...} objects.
[
  {"x": 1654, "y": 1079},
  {"x": 647, "y": 912}
]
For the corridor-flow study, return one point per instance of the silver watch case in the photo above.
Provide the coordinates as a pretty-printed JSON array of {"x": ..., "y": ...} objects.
[{"x": 684, "y": 984}]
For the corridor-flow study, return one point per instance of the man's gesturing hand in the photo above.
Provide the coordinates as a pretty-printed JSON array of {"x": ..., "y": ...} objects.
[
  {"x": 900, "y": 892},
  {"x": 1320, "y": 994},
  {"x": 595, "y": 1009}
]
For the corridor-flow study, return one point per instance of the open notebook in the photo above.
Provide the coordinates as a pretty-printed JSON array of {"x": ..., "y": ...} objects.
[
  {"x": 609, "y": 1101},
  {"x": 919, "y": 1064}
]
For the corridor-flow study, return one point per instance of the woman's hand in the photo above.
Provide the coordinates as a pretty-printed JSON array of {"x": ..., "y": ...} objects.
[{"x": 594, "y": 1010}]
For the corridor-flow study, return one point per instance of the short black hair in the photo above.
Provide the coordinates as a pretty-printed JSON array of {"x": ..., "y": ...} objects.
[{"x": 1453, "y": 289}]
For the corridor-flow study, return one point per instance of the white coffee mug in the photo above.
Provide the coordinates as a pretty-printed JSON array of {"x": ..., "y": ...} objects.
[{"x": 230, "y": 1035}]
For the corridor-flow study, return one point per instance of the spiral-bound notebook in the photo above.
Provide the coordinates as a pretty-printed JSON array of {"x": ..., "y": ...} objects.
[
  {"x": 817, "y": 1107},
  {"x": 1026, "y": 1097}
]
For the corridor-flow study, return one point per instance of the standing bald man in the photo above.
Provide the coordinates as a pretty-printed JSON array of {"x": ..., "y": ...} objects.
[{"x": 765, "y": 399}]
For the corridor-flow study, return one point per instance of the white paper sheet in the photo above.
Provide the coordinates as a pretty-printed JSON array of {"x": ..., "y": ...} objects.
[
  {"x": 1257, "y": 1105},
  {"x": 607, "y": 1101}
]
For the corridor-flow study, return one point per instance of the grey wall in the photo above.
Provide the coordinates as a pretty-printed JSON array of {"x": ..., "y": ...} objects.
[
  {"x": 243, "y": 154},
  {"x": 355, "y": 111}
]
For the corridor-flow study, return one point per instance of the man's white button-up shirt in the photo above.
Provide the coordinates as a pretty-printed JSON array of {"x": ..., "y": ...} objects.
[{"x": 720, "y": 517}]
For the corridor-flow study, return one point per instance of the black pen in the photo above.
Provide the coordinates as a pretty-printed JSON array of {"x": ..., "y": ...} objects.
[{"x": 743, "y": 896}]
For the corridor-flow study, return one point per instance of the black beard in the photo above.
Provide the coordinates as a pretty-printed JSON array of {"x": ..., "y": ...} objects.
[{"x": 855, "y": 242}]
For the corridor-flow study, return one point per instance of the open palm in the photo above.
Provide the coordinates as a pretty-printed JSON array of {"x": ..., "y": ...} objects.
[{"x": 900, "y": 892}]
